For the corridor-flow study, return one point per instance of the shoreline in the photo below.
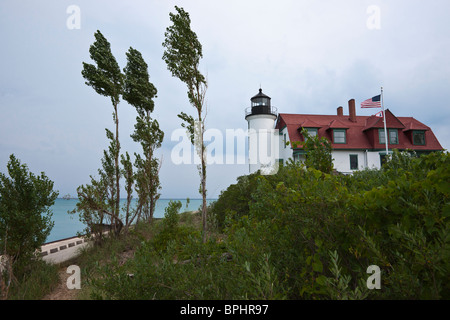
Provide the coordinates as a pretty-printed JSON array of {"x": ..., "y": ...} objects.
[{"x": 67, "y": 226}]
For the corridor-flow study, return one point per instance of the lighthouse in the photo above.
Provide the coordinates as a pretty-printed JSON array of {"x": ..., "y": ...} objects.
[{"x": 262, "y": 140}]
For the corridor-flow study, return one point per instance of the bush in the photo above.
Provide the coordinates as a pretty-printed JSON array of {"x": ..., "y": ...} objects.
[
  {"x": 25, "y": 219},
  {"x": 234, "y": 201},
  {"x": 170, "y": 228},
  {"x": 406, "y": 226},
  {"x": 25, "y": 216},
  {"x": 35, "y": 281},
  {"x": 396, "y": 218}
]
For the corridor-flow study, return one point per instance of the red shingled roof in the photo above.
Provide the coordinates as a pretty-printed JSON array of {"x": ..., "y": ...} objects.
[
  {"x": 336, "y": 124},
  {"x": 377, "y": 122},
  {"x": 361, "y": 134}
]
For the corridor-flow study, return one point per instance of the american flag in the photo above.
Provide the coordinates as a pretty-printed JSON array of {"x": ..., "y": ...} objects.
[{"x": 374, "y": 102}]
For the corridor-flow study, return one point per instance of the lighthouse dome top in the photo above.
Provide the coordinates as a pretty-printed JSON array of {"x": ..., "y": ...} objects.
[
  {"x": 261, "y": 105},
  {"x": 260, "y": 99}
]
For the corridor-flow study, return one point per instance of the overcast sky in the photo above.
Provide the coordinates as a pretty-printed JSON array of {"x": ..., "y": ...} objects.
[{"x": 308, "y": 56}]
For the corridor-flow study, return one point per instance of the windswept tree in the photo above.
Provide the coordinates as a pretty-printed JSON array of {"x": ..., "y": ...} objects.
[
  {"x": 107, "y": 80},
  {"x": 182, "y": 55},
  {"x": 99, "y": 201},
  {"x": 140, "y": 92}
]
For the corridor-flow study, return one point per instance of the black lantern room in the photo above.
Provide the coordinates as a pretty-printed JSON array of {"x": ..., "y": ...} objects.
[{"x": 260, "y": 104}]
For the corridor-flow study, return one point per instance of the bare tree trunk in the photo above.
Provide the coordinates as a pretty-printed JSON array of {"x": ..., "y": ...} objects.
[
  {"x": 128, "y": 209},
  {"x": 149, "y": 159},
  {"x": 116, "y": 163},
  {"x": 154, "y": 197},
  {"x": 203, "y": 175},
  {"x": 204, "y": 212}
]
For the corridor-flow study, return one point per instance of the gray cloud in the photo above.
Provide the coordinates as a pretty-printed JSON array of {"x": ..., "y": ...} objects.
[{"x": 309, "y": 56}]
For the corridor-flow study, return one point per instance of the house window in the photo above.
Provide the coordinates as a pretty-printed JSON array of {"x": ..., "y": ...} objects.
[
  {"x": 284, "y": 140},
  {"x": 353, "y": 162},
  {"x": 418, "y": 138},
  {"x": 299, "y": 157},
  {"x": 312, "y": 131},
  {"x": 339, "y": 136},
  {"x": 381, "y": 137},
  {"x": 383, "y": 159},
  {"x": 393, "y": 136}
]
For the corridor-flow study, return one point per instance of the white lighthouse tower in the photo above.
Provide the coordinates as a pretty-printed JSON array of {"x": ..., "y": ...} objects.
[{"x": 262, "y": 141}]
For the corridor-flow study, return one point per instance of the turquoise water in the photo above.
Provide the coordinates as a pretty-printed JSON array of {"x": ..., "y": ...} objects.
[{"x": 67, "y": 225}]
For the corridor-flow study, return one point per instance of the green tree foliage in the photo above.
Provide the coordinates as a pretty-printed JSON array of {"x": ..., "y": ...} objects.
[
  {"x": 318, "y": 152},
  {"x": 107, "y": 80},
  {"x": 99, "y": 201},
  {"x": 140, "y": 92},
  {"x": 25, "y": 217},
  {"x": 182, "y": 55},
  {"x": 234, "y": 202},
  {"x": 171, "y": 228}
]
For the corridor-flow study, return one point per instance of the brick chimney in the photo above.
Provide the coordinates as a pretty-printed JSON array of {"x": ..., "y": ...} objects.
[
  {"x": 351, "y": 110},
  {"x": 340, "y": 111}
]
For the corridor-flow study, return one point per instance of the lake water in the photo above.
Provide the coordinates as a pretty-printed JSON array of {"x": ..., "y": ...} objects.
[{"x": 67, "y": 225}]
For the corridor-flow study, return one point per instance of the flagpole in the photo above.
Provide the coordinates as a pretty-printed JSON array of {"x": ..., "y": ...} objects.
[{"x": 384, "y": 120}]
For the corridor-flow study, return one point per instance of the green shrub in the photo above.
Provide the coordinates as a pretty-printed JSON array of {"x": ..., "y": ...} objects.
[
  {"x": 35, "y": 281},
  {"x": 396, "y": 218},
  {"x": 25, "y": 215},
  {"x": 235, "y": 200},
  {"x": 25, "y": 223}
]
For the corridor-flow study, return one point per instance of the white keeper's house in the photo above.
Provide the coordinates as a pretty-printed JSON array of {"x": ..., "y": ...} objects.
[{"x": 357, "y": 142}]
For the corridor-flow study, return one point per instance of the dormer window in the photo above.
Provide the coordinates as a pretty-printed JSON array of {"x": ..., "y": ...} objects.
[
  {"x": 418, "y": 137},
  {"x": 339, "y": 136},
  {"x": 381, "y": 136},
  {"x": 311, "y": 131},
  {"x": 393, "y": 136}
]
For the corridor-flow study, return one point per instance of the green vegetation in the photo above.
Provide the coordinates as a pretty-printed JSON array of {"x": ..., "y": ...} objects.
[
  {"x": 139, "y": 92},
  {"x": 25, "y": 223},
  {"x": 35, "y": 282},
  {"x": 107, "y": 80},
  {"x": 318, "y": 151},
  {"x": 303, "y": 234},
  {"x": 299, "y": 234},
  {"x": 182, "y": 55},
  {"x": 99, "y": 201}
]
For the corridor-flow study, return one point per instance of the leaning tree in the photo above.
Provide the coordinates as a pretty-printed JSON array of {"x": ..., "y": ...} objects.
[{"x": 182, "y": 56}]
